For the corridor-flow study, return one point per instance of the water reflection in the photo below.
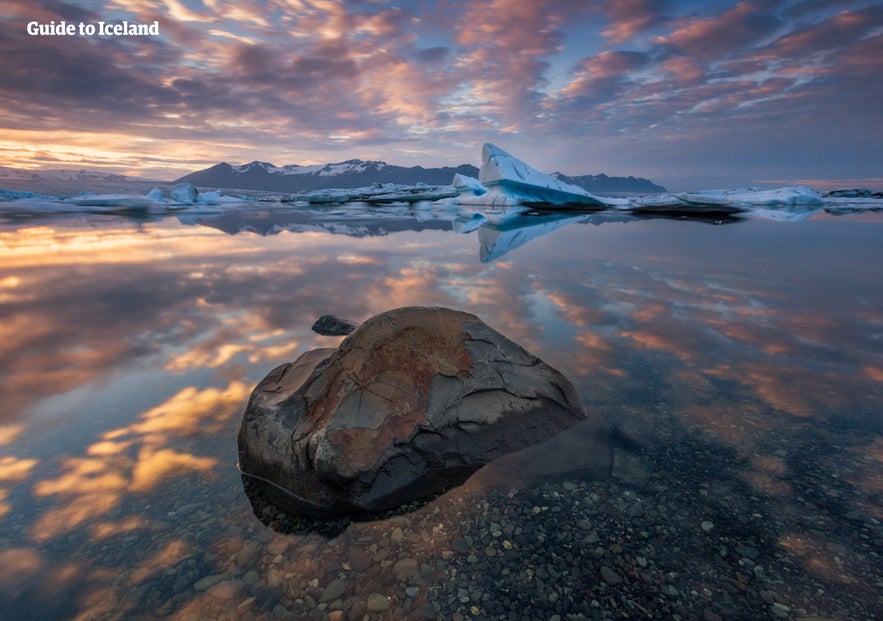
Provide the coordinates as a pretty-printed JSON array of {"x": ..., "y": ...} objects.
[{"x": 741, "y": 363}]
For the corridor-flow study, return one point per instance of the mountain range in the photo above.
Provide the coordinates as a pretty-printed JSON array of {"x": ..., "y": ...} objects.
[
  {"x": 360, "y": 173},
  {"x": 602, "y": 184}
]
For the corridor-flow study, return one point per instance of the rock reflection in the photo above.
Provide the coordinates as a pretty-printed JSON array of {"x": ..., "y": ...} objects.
[{"x": 582, "y": 452}]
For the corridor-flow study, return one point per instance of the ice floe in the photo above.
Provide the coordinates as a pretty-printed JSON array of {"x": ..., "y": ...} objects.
[
  {"x": 788, "y": 196},
  {"x": 156, "y": 202},
  {"x": 379, "y": 193},
  {"x": 15, "y": 195},
  {"x": 669, "y": 204}
]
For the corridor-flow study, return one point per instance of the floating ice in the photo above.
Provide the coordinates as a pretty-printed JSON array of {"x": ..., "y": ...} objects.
[
  {"x": 512, "y": 182},
  {"x": 116, "y": 201},
  {"x": 788, "y": 196},
  {"x": 15, "y": 195},
  {"x": 216, "y": 198},
  {"x": 670, "y": 204},
  {"x": 379, "y": 193},
  {"x": 863, "y": 193}
]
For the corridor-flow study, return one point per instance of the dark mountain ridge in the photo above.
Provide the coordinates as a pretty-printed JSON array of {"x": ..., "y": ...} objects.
[{"x": 602, "y": 184}]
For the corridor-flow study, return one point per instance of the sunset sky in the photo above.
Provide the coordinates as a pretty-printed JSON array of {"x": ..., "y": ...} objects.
[{"x": 687, "y": 93}]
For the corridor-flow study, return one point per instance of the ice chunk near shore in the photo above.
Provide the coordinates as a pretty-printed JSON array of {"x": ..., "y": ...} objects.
[
  {"x": 510, "y": 182},
  {"x": 788, "y": 196}
]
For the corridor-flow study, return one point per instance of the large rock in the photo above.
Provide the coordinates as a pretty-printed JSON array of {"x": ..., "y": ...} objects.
[{"x": 412, "y": 402}]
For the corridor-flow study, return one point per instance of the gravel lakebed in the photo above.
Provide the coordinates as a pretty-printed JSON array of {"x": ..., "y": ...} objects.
[
  {"x": 671, "y": 535},
  {"x": 684, "y": 528}
]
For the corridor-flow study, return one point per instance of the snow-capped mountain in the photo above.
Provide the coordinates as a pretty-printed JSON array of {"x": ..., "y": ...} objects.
[
  {"x": 360, "y": 173},
  {"x": 294, "y": 178}
]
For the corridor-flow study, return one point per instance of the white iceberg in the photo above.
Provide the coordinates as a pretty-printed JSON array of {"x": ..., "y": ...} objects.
[
  {"x": 788, "y": 196},
  {"x": 510, "y": 182}
]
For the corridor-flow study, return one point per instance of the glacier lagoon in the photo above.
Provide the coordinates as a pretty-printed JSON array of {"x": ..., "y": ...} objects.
[{"x": 737, "y": 360}]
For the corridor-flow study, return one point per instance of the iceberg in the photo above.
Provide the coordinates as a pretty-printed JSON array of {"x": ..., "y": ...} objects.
[
  {"x": 511, "y": 182},
  {"x": 788, "y": 196}
]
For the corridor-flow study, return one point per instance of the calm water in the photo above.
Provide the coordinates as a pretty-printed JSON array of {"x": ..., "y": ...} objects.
[{"x": 741, "y": 362}]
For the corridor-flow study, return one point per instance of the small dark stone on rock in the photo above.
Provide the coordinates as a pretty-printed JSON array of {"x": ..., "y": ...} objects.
[{"x": 329, "y": 325}]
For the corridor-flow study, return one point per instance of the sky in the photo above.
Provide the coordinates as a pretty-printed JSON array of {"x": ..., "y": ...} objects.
[{"x": 690, "y": 94}]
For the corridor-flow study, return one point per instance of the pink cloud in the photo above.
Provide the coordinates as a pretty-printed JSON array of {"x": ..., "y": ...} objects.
[
  {"x": 742, "y": 26},
  {"x": 632, "y": 17}
]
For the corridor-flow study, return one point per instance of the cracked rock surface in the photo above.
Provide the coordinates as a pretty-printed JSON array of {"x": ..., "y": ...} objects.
[{"x": 412, "y": 402}]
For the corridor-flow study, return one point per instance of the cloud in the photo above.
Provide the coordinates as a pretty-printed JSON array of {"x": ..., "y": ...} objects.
[
  {"x": 294, "y": 81},
  {"x": 736, "y": 29},
  {"x": 504, "y": 48},
  {"x": 630, "y": 18},
  {"x": 603, "y": 77}
]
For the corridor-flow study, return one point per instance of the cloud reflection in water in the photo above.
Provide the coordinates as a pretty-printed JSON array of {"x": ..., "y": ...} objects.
[{"x": 129, "y": 350}]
